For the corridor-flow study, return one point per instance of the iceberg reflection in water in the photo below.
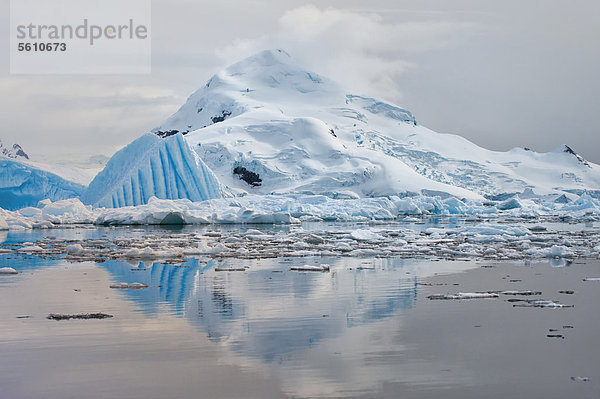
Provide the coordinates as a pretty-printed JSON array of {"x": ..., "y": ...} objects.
[
  {"x": 315, "y": 330},
  {"x": 268, "y": 310}
]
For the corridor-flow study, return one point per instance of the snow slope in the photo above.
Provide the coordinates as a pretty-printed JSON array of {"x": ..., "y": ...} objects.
[
  {"x": 266, "y": 118},
  {"x": 152, "y": 167}
]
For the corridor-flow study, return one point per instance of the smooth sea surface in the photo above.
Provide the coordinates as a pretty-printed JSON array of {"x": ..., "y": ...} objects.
[{"x": 364, "y": 329}]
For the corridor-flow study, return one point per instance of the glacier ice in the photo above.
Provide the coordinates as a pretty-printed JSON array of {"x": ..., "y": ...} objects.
[
  {"x": 152, "y": 166},
  {"x": 22, "y": 185}
]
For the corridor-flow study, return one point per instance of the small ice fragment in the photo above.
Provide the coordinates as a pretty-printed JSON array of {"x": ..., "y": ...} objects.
[
  {"x": 542, "y": 303},
  {"x": 364, "y": 235},
  {"x": 591, "y": 279},
  {"x": 311, "y": 268},
  {"x": 580, "y": 379},
  {"x": 314, "y": 239},
  {"x": 8, "y": 270},
  {"x": 521, "y": 292},
  {"x": 31, "y": 248},
  {"x": 133, "y": 286},
  {"x": 74, "y": 249},
  {"x": 465, "y": 295}
]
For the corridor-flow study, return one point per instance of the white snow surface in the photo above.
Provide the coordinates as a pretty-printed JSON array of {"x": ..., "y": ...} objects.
[{"x": 303, "y": 133}]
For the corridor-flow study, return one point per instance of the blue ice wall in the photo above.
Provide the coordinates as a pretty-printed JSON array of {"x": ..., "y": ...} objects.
[
  {"x": 152, "y": 166},
  {"x": 22, "y": 185}
]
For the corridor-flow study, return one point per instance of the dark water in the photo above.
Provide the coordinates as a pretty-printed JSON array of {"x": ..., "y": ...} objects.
[{"x": 365, "y": 329}]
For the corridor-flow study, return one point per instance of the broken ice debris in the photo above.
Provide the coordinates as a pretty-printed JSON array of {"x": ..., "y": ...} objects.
[
  {"x": 580, "y": 379},
  {"x": 133, "y": 286},
  {"x": 310, "y": 268},
  {"x": 541, "y": 303},
  {"x": 465, "y": 295},
  {"x": 8, "y": 270},
  {"x": 521, "y": 292}
]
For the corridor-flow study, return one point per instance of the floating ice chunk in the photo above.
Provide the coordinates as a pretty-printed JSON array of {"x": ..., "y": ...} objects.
[
  {"x": 520, "y": 292},
  {"x": 216, "y": 249},
  {"x": 133, "y": 286},
  {"x": 8, "y": 270},
  {"x": 365, "y": 235},
  {"x": 591, "y": 279},
  {"x": 559, "y": 251},
  {"x": 343, "y": 246},
  {"x": 465, "y": 295},
  {"x": 580, "y": 379},
  {"x": 3, "y": 224},
  {"x": 455, "y": 206},
  {"x": 311, "y": 268},
  {"x": 314, "y": 239},
  {"x": 251, "y": 232},
  {"x": 511, "y": 203},
  {"x": 31, "y": 248},
  {"x": 541, "y": 303},
  {"x": 142, "y": 253},
  {"x": 74, "y": 249}
]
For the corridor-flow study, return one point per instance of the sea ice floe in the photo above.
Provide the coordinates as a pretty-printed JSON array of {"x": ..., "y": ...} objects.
[
  {"x": 541, "y": 303},
  {"x": 521, "y": 293},
  {"x": 465, "y": 295}
]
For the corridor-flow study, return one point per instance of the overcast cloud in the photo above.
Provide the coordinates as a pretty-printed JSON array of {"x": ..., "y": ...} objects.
[{"x": 502, "y": 74}]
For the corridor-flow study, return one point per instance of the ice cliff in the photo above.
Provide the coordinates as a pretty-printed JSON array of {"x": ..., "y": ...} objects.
[{"x": 152, "y": 166}]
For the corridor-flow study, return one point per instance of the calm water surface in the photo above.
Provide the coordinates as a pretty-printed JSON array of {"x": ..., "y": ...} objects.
[{"x": 366, "y": 329}]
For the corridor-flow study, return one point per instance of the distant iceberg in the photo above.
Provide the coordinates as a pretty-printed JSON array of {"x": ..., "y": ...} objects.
[
  {"x": 152, "y": 166},
  {"x": 22, "y": 185}
]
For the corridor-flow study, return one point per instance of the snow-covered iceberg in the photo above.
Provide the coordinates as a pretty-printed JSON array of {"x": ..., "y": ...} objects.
[
  {"x": 152, "y": 166},
  {"x": 22, "y": 185},
  {"x": 265, "y": 125},
  {"x": 24, "y": 181}
]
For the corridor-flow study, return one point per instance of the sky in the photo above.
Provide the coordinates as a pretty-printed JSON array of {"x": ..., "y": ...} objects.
[{"x": 516, "y": 73}]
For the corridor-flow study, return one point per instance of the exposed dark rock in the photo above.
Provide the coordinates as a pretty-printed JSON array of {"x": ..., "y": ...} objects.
[
  {"x": 332, "y": 133},
  {"x": 19, "y": 151},
  {"x": 249, "y": 177},
  {"x": 569, "y": 150},
  {"x": 220, "y": 118},
  {"x": 166, "y": 133}
]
